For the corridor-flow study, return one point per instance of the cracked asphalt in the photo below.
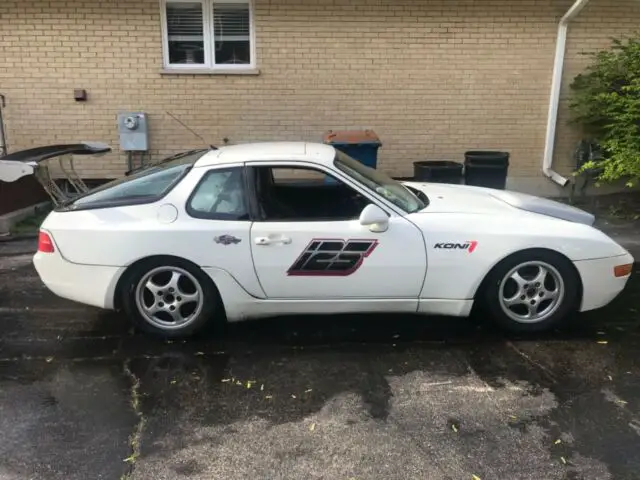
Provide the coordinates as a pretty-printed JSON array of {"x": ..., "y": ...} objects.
[{"x": 396, "y": 397}]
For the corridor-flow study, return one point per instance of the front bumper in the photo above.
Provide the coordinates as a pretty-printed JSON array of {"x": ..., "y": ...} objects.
[
  {"x": 600, "y": 285},
  {"x": 88, "y": 284}
]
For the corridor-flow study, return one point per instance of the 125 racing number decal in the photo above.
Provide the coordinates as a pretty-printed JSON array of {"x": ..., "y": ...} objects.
[{"x": 332, "y": 257}]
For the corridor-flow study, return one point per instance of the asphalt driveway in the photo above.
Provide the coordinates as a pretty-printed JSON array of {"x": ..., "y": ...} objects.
[{"x": 81, "y": 397}]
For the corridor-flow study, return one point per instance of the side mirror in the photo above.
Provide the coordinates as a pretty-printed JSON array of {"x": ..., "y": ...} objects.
[{"x": 375, "y": 218}]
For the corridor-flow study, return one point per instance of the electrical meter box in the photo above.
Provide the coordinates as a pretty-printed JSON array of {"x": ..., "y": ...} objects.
[{"x": 133, "y": 130}]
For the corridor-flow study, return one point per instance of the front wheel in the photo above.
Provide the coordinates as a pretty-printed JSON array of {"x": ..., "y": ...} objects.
[
  {"x": 169, "y": 298},
  {"x": 532, "y": 291}
]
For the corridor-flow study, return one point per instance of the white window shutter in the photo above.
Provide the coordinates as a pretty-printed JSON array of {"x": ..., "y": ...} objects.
[
  {"x": 184, "y": 21},
  {"x": 232, "y": 32},
  {"x": 185, "y": 32},
  {"x": 231, "y": 21}
]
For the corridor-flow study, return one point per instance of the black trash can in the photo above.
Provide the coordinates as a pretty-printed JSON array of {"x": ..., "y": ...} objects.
[
  {"x": 437, "y": 171},
  {"x": 486, "y": 169}
]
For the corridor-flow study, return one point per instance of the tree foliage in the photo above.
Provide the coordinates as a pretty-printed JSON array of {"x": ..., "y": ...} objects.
[{"x": 606, "y": 104}]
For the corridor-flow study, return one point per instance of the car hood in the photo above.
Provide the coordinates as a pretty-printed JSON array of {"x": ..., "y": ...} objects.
[{"x": 449, "y": 198}]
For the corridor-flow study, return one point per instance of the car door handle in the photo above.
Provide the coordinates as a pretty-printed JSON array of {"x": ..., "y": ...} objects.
[{"x": 272, "y": 240}]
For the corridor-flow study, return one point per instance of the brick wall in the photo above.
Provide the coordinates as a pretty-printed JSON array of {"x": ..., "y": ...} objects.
[{"x": 432, "y": 77}]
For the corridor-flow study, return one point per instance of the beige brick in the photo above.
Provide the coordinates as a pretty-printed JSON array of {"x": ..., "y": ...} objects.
[{"x": 432, "y": 77}]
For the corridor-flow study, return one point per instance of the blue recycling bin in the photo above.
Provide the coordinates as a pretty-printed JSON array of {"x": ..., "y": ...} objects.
[{"x": 361, "y": 145}]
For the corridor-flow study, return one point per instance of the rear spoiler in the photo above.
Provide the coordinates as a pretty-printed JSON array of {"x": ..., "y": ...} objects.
[
  {"x": 39, "y": 154},
  {"x": 16, "y": 165}
]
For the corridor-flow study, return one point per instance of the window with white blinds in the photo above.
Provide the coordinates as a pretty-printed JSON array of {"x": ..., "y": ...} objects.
[
  {"x": 185, "y": 33},
  {"x": 215, "y": 34}
]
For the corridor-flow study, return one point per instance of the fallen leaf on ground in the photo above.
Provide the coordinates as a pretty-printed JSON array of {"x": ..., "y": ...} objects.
[
  {"x": 312, "y": 427},
  {"x": 475, "y": 477},
  {"x": 308, "y": 390},
  {"x": 293, "y": 396},
  {"x": 454, "y": 428},
  {"x": 262, "y": 387},
  {"x": 558, "y": 441},
  {"x": 602, "y": 342},
  {"x": 563, "y": 460},
  {"x": 268, "y": 397},
  {"x": 225, "y": 380}
]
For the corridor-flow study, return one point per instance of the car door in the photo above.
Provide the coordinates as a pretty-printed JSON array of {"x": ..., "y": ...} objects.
[{"x": 308, "y": 243}]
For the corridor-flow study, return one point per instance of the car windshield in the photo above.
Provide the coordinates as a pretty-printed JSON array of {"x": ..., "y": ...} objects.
[
  {"x": 382, "y": 184},
  {"x": 142, "y": 185}
]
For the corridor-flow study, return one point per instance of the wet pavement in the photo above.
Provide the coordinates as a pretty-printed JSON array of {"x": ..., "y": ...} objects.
[{"x": 82, "y": 397}]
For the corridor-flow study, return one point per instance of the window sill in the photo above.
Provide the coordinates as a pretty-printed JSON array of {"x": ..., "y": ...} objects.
[{"x": 210, "y": 71}]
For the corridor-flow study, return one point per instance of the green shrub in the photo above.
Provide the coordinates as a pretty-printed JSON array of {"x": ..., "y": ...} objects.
[{"x": 606, "y": 104}]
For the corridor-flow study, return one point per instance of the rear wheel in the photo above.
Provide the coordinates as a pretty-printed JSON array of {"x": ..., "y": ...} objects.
[
  {"x": 169, "y": 298},
  {"x": 532, "y": 291}
]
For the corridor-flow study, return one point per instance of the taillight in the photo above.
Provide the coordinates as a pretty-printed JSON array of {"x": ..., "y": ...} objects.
[{"x": 45, "y": 245}]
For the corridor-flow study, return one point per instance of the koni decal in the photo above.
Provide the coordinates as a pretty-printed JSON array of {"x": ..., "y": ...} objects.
[
  {"x": 332, "y": 257},
  {"x": 469, "y": 245}
]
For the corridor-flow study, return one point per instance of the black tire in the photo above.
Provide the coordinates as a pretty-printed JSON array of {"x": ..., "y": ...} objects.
[
  {"x": 211, "y": 303},
  {"x": 490, "y": 294}
]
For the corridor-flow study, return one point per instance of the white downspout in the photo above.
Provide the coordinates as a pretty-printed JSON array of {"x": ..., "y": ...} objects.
[{"x": 554, "y": 100}]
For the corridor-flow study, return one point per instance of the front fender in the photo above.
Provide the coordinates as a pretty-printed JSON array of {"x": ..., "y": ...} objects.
[{"x": 463, "y": 248}]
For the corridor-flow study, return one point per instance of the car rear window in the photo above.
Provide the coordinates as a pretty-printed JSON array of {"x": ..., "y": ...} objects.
[{"x": 143, "y": 186}]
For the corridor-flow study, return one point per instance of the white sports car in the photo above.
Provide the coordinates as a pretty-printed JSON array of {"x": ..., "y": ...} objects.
[{"x": 265, "y": 229}]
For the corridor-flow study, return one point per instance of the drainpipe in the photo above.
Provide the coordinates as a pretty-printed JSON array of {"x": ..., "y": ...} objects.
[
  {"x": 3, "y": 141},
  {"x": 554, "y": 100}
]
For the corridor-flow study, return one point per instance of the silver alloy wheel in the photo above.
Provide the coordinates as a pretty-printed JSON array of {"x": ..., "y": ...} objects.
[
  {"x": 169, "y": 297},
  {"x": 531, "y": 292}
]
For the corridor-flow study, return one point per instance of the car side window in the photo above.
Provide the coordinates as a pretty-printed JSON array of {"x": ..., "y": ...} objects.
[
  {"x": 285, "y": 175},
  {"x": 220, "y": 195},
  {"x": 304, "y": 194}
]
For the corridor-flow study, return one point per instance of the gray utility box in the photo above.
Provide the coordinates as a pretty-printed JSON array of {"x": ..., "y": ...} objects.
[{"x": 133, "y": 130}]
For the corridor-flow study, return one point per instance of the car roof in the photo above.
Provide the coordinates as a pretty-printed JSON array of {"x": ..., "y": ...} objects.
[{"x": 268, "y": 151}]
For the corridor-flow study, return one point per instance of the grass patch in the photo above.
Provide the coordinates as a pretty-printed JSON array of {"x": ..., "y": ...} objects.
[{"x": 31, "y": 224}]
